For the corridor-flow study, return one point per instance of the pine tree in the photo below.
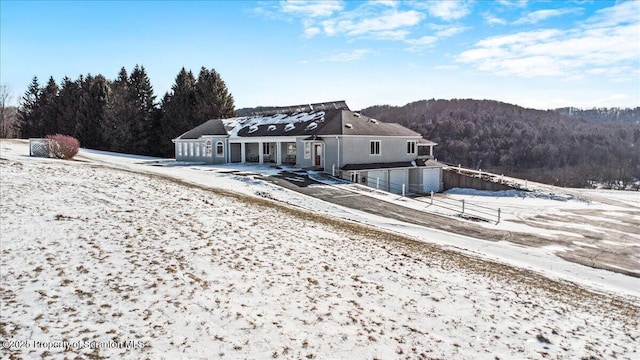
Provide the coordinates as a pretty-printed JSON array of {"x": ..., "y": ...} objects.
[
  {"x": 115, "y": 129},
  {"x": 49, "y": 110},
  {"x": 178, "y": 109},
  {"x": 141, "y": 101},
  {"x": 69, "y": 101},
  {"x": 213, "y": 100},
  {"x": 28, "y": 117},
  {"x": 92, "y": 112}
]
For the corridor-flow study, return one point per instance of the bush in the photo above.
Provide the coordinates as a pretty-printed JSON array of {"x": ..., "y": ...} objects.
[{"x": 63, "y": 146}]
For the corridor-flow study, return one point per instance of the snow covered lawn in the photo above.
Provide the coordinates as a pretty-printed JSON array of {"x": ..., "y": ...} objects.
[{"x": 178, "y": 270}]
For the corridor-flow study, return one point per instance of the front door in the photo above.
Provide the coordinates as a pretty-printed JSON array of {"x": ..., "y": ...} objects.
[{"x": 317, "y": 150}]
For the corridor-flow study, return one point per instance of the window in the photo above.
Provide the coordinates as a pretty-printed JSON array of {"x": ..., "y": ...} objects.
[
  {"x": 411, "y": 147},
  {"x": 307, "y": 150},
  {"x": 266, "y": 149},
  {"x": 197, "y": 145},
  {"x": 190, "y": 149},
  {"x": 179, "y": 149},
  {"x": 219, "y": 149},
  {"x": 207, "y": 148},
  {"x": 375, "y": 147},
  {"x": 291, "y": 149},
  {"x": 185, "y": 149}
]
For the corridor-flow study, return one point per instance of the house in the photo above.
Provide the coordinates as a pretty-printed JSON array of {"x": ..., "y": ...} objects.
[{"x": 324, "y": 136}]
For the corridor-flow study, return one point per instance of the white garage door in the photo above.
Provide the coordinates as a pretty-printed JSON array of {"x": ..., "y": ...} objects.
[
  {"x": 431, "y": 180},
  {"x": 374, "y": 175},
  {"x": 396, "y": 179}
]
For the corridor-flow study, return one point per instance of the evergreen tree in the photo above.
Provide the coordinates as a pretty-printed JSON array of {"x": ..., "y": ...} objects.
[
  {"x": 178, "y": 110},
  {"x": 28, "y": 112},
  {"x": 68, "y": 103},
  {"x": 92, "y": 111},
  {"x": 115, "y": 130},
  {"x": 49, "y": 111},
  {"x": 213, "y": 100},
  {"x": 141, "y": 102}
]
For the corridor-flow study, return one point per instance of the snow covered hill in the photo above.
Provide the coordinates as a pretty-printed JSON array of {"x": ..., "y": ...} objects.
[{"x": 102, "y": 260}]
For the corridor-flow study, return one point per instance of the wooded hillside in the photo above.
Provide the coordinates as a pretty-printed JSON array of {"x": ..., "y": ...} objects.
[{"x": 538, "y": 145}]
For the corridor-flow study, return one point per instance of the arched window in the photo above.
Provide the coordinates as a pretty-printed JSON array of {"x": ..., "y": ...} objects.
[
  {"x": 207, "y": 148},
  {"x": 219, "y": 149}
]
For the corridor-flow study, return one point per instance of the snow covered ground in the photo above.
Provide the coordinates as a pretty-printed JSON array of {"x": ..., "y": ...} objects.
[{"x": 200, "y": 262}]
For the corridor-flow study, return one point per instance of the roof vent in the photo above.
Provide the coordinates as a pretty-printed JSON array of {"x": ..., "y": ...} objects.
[
  {"x": 312, "y": 126},
  {"x": 289, "y": 127},
  {"x": 356, "y": 114},
  {"x": 272, "y": 128},
  {"x": 373, "y": 121},
  {"x": 253, "y": 128},
  {"x": 348, "y": 126}
]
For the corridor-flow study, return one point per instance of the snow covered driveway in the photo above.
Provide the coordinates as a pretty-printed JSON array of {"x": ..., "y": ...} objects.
[{"x": 125, "y": 265}]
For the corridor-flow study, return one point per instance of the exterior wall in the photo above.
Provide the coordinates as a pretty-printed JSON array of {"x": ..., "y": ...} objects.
[
  {"x": 196, "y": 150},
  {"x": 301, "y": 161},
  {"x": 331, "y": 154},
  {"x": 357, "y": 150}
]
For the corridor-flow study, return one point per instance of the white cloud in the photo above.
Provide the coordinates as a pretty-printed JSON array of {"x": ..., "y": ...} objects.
[
  {"x": 594, "y": 49},
  {"x": 349, "y": 55},
  {"x": 493, "y": 20},
  {"x": 513, "y": 3},
  {"x": 390, "y": 3},
  {"x": 441, "y": 32},
  {"x": 423, "y": 41},
  {"x": 623, "y": 13},
  {"x": 450, "y": 31},
  {"x": 389, "y": 25},
  {"x": 540, "y": 15},
  {"x": 446, "y": 10},
  {"x": 312, "y": 8},
  {"x": 390, "y": 21}
]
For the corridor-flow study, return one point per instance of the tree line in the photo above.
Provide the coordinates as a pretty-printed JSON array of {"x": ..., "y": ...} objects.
[
  {"x": 533, "y": 144},
  {"x": 122, "y": 114}
]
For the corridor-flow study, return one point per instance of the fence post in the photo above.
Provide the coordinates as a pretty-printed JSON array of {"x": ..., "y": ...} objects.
[
  {"x": 463, "y": 206},
  {"x": 498, "y": 216},
  {"x": 333, "y": 170},
  {"x": 502, "y": 179},
  {"x": 526, "y": 184},
  {"x": 403, "y": 190},
  {"x": 432, "y": 197},
  {"x": 378, "y": 183},
  {"x": 459, "y": 168}
]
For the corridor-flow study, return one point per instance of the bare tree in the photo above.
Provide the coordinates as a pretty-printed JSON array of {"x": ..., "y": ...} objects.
[{"x": 5, "y": 113}]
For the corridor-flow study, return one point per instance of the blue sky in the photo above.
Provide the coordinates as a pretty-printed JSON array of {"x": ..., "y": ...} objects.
[{"x": 538, "y": 54}]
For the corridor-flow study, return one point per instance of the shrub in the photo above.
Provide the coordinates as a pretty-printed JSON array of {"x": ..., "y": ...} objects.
[{"x": 63, "y": 146}]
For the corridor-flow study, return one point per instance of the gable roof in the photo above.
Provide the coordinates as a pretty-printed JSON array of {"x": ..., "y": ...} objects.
[
  {"x": 210, "y": 127},
  {"x": 328, "y": 119}
]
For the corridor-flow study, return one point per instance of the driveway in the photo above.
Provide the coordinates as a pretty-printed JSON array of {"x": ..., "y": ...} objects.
[{"x": 618, "y": 259}]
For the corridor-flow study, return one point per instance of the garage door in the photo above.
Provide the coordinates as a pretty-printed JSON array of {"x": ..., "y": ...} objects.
[
  {"x": 396, "y": 179},
  {"x": 374, "y": 175},
  {"x": 431, "y": 180}
]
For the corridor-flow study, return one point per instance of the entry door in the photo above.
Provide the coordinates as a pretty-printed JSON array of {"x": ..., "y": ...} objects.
[{"x": 317, "y": 150}]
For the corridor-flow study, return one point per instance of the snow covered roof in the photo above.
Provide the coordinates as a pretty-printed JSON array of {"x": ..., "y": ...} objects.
[{"x": 315, "y": 119}]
